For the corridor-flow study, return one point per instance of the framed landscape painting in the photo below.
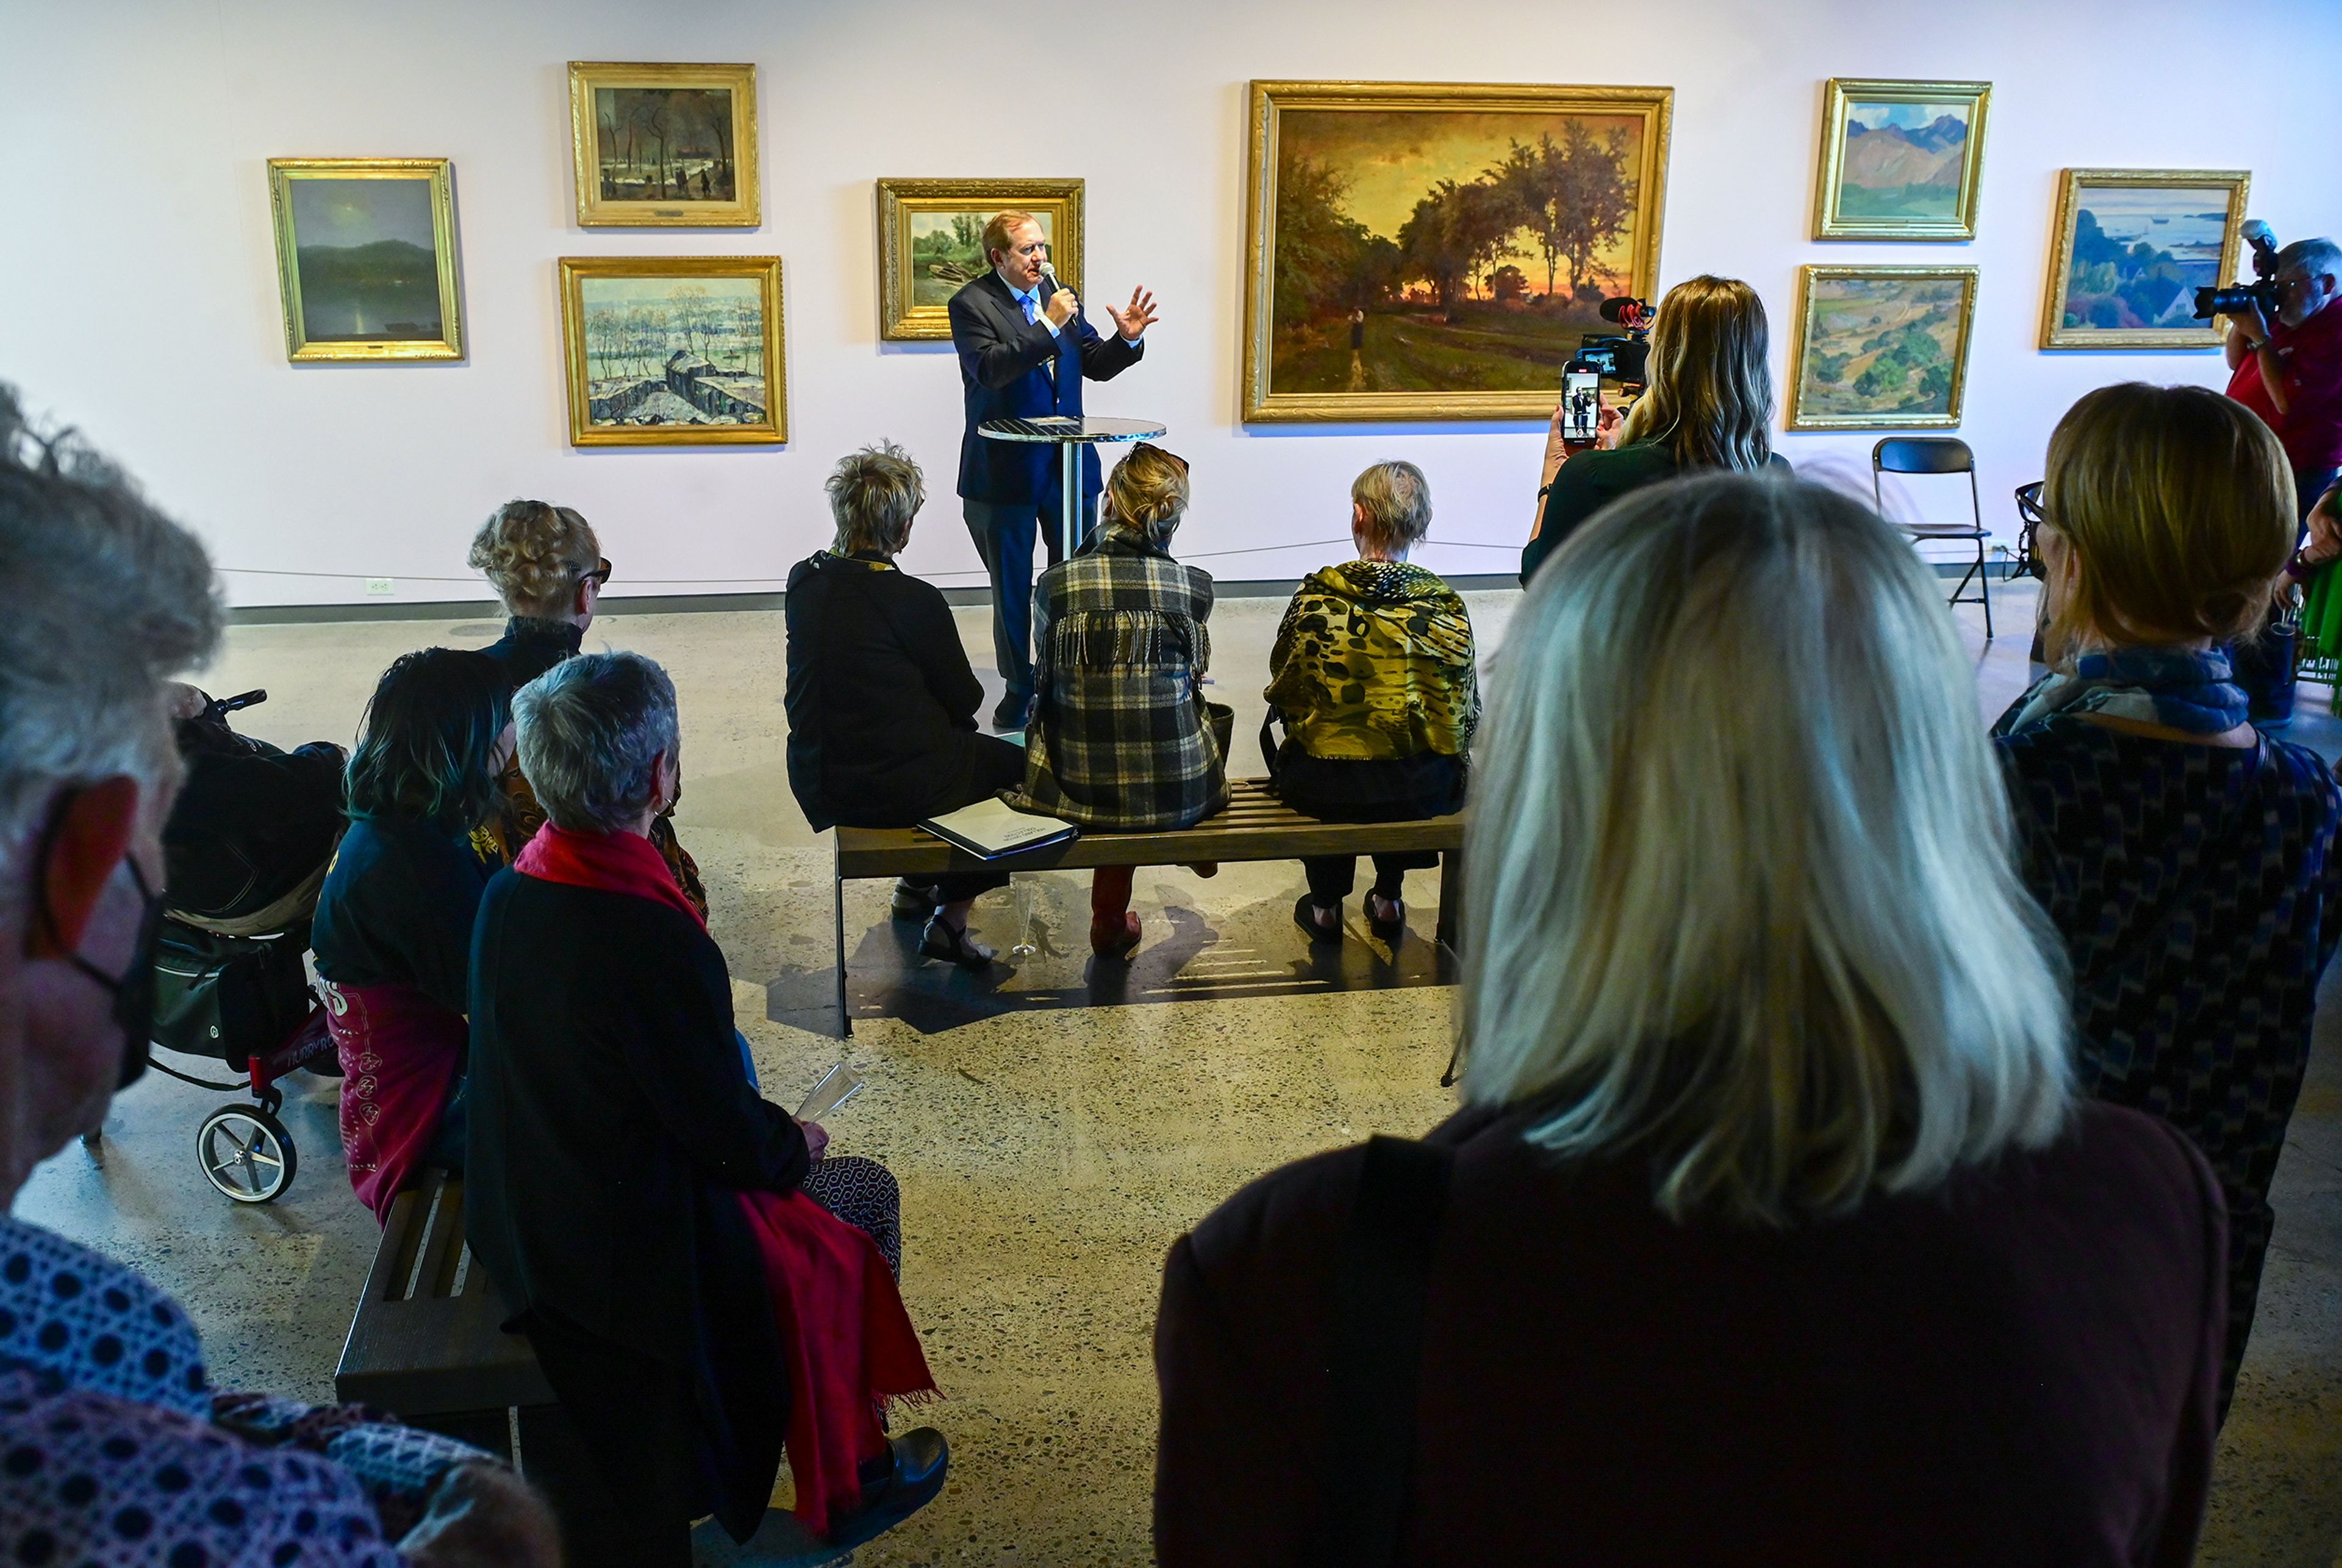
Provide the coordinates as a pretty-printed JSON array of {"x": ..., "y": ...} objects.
[
  {"x": 1435, "y": 250},
  {"x": 674, "y": 351},
  {"x": 1900, "y": 160},
  {"x": 2132, "y": 247},
  {"x": 365, "y": 257},
  {"x": 931, "y": 243},
  {"x": 664, "y": 146},
  {"x": 1881, "y": 347}
]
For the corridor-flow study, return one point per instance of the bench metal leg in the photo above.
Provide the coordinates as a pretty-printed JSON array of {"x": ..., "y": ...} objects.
[
  {"x": 1451, "y": 898},
  {"x": 838, "y": 904}
]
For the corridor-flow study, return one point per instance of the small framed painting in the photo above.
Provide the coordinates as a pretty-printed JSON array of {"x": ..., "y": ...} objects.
[
  {"x": 1900, "y": 160},
  {"x": 674, "y": 351},
  {"x": 665, "y": 147},
  {"x": 365, "y": 257},
  {"x": 2132, "y": 247},
  {"x": 931, "y": 243},
  {"x": 1881, "y": 347}
]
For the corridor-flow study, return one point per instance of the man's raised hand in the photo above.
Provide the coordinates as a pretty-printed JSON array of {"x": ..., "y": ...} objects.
[{"x": 1137, "y": 318}]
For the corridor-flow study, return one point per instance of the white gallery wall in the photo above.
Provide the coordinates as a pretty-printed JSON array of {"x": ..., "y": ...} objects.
[{"x": 140, "y": 299}]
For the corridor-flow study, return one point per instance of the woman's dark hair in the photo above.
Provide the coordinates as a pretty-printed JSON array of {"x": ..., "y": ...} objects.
[{"x": 428, "y": 745}]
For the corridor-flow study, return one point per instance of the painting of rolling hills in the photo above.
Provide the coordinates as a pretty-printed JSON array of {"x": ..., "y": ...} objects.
[{"x": 1900, "y": 160}]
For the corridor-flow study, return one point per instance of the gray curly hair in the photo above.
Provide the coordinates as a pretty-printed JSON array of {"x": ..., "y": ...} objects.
[
  {"x": 534, "y": 556},
  {"x": 590, "y": 731},
  {"x": 108, "y": 599}
]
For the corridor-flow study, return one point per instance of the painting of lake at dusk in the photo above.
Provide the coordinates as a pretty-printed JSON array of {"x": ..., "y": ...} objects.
[
  {"x": 2133, "y": 247},
  {"x": 365, "y": 257}
]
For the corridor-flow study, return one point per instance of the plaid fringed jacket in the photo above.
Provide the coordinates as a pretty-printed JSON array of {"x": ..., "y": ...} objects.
[{"x": 1120, "y": 738}]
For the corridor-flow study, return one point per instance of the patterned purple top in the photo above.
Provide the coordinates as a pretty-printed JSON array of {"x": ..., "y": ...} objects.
[
  {"x": 2199, "y": 895},
  {"x": 114, "y": 1449}
]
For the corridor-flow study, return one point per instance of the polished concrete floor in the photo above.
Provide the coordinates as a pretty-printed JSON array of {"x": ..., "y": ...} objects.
[{"x": 1055, "y": 1127}]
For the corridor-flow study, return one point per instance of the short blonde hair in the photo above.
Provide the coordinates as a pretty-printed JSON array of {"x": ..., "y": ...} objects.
[
  {"x": 874, "y": 495},
  {"x": 2180, "y": 509},
  {"x": 1711, "y": 387},
  {"x": 997, "y": 231},
  {"x": 1397, "y": 502},
  {"x": 534, "y": 556},
  {"x": 1779, "y": 950},
  {"x": 1147, "y": 493}
]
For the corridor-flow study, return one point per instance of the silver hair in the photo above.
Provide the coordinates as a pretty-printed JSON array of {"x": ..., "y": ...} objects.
[
  {"x": 1781, "y": 945},
  {"x": 2311, "y": 258},
  {"x": 590, "y": 731},
  {"x": 107, "y": 599},
  {"x": 1397, "y": 499},
  {"x": 874, "y": 496}
]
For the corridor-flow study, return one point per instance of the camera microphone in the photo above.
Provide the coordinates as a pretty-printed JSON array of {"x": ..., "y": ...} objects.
[{"x": 1617, "y": 307}]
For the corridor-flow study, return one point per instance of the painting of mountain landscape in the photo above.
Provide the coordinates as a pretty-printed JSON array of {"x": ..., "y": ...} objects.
[
  {"x": 2139, "y": 254},
  {"x": 1903, "y": 161}
]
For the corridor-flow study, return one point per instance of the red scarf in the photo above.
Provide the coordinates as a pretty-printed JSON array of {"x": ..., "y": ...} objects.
[
  {"x": 613, "y": 862},
  {"x": 846, "y": 1343}
]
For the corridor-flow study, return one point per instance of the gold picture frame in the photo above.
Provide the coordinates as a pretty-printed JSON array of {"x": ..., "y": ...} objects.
[
  {"x": 905, "y": 205},
  {"x": 1916, "y": 381},
  {"x": 1927, "y": 128},
  {"x": 1506, "y": 365},
  {"x": 697, "y": 123},
  {"x": 685, "y": 360},
  {"x": 351, "y": 255},
  {"x": 2137, "y": 306}
]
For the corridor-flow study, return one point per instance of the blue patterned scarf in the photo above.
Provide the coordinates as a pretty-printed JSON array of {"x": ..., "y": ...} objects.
[{"x": 2177, "y": 688}]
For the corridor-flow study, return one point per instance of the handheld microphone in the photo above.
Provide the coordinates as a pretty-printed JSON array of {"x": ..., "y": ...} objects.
[{"x": 1049, "y": 272}]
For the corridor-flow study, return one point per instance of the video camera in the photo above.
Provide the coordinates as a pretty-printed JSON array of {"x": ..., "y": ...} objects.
[
  {"x": 1622, "y": 358},
  {"x": 2242, "y": 297}
]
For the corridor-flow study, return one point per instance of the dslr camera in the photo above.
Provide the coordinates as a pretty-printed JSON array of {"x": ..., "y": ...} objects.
[
  {"x": 1620, "y": 357},
  {"x": 2244, "y": 296}
]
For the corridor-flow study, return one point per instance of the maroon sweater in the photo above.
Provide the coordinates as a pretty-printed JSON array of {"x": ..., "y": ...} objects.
[{"x": 2017, "y": 1369}]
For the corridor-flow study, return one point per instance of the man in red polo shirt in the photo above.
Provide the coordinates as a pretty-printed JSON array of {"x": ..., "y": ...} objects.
[{"x": 2290, "y": 374}]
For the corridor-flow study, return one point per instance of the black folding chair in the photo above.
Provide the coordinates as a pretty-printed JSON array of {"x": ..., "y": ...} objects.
[{"x": 1939, "y": 454}]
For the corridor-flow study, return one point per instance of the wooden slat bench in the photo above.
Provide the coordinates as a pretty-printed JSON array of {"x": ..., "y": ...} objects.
[
  {"x": 427, "y": 1345},
  {"x": 1257, "y": 825}
]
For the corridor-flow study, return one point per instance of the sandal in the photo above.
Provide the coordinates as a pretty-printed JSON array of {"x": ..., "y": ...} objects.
[
  {"x": 1305, "y": 915},
  {"x": 912, "y": 903},
  {"x": 952, "y": 944}
]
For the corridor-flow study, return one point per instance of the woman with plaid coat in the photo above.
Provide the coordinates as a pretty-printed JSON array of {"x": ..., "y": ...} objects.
[{"x": 1121, "y": 736}]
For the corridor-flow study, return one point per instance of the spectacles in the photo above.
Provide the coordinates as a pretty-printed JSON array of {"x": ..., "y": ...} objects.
[
  {"x": 2029, "y": 503},
  {"x": 601, "y": 575}
]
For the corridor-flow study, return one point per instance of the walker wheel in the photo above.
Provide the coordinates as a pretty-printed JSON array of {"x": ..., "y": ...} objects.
[{"x": 246, "y": 1153}]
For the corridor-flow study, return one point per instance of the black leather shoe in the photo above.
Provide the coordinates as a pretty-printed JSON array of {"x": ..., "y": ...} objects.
[
  {"x": 922, "y": 1459},
  {"x": 940, "y": 941},
  {"x": 1304, "y": 913},
  {"x": 1389, "y": 929},
  {"x": 1013, "y": 713}
]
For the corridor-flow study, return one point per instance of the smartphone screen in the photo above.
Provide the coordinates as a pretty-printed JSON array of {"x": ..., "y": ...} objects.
[{"x": 1581, "y": 400}]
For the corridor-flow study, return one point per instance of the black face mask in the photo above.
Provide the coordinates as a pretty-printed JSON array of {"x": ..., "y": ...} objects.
[{"x": 134, "y": 989}]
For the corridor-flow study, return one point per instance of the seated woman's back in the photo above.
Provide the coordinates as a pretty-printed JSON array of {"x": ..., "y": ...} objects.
[
  {"x": 1122, "y": 734},
  {"x": 1373, "y": 660},
  {"x": 1771, "y": 1231}
]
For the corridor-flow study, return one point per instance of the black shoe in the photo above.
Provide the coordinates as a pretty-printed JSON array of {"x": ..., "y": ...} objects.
[
  {"x": 1305, "y": 913},
  {"x": 892, "y": 1492},
  {"x": 914, "y": 902},
  {"x": 1388, "y": 930},
  {"x": 941, "y": 941},
  {"x": 1013, "y": 713}
]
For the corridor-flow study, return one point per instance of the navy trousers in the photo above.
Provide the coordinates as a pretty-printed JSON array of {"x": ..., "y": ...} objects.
[{"x": 1004, "y": 538}]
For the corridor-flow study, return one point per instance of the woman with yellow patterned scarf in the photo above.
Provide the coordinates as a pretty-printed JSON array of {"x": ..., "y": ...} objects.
[{"x": 1373, "y": 675}]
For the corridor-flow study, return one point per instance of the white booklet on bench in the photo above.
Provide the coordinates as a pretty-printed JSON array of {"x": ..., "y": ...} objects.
[{"x": 992, "y": 828}]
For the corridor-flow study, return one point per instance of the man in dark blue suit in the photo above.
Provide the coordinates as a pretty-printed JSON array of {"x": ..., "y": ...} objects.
[{"x": 1024, "y": 352}]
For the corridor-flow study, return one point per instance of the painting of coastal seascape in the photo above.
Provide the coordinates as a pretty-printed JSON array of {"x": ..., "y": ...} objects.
[
  {"x": 1436, "y": 252},
  {"x": 1900, "y": 160},
  {"x": 365, "y": 258},
  {"x": 675, "y": 351},
  {"x": 2133, "y": 246},
  {"x": 1881, "y": 348}
]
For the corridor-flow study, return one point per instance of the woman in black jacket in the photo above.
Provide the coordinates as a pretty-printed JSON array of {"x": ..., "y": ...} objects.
[
  {"x": 881, "y": 702},
  {"x": 625, "y": 1177},
  {"x": 1709, "y": 406}
]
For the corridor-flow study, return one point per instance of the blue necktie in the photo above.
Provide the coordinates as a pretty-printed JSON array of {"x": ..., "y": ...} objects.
[{"x": 1032, "y": 308}]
